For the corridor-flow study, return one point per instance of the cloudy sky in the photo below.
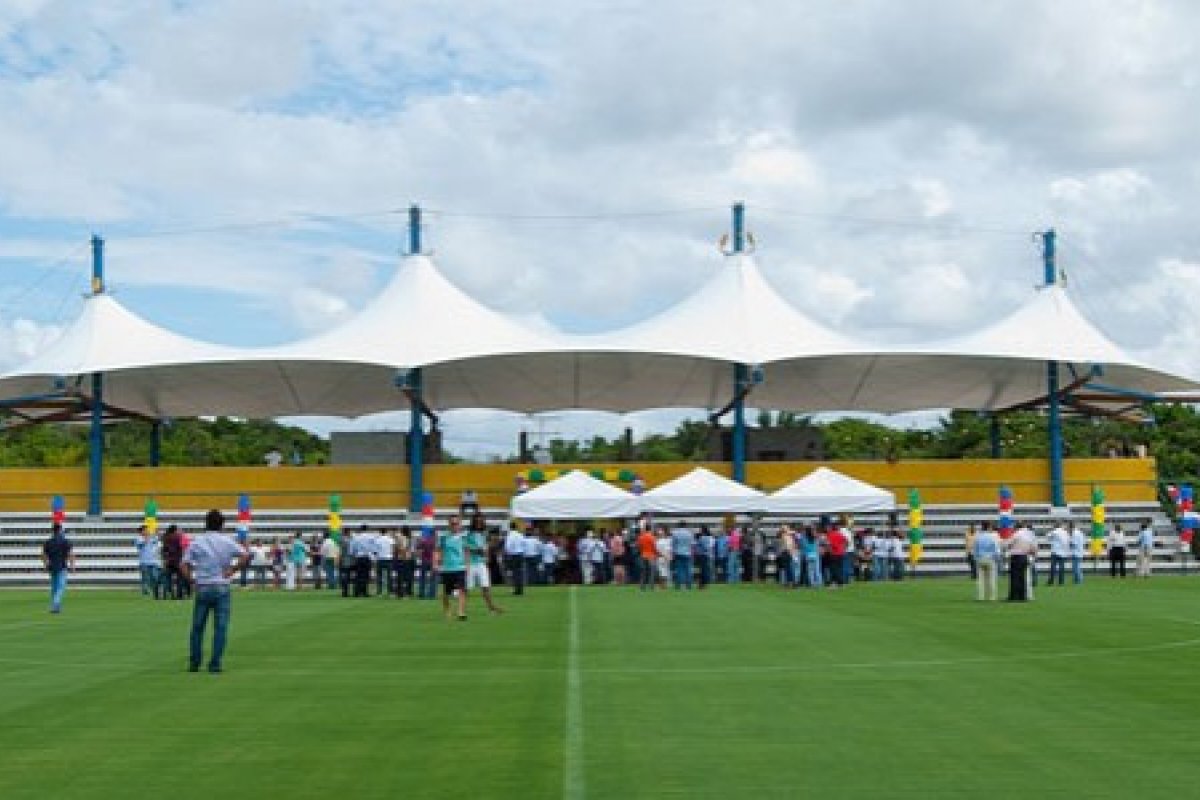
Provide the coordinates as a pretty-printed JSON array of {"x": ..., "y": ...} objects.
[{"x": 246, "y": 161}]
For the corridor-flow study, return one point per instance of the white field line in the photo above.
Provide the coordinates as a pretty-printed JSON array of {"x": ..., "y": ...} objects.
[{"x": 573, "y": 782}]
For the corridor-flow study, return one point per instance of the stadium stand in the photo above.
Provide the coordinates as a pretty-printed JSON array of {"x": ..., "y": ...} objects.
[{"x": 106, "y": 556}]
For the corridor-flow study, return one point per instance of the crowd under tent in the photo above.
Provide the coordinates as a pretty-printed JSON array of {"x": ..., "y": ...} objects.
[{"x": 827, "y": 491}]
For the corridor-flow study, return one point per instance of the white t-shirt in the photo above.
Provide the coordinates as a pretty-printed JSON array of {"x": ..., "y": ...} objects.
[
  {"x": 1078, "y": 543},
  {"x": 1060, "y": 542}
]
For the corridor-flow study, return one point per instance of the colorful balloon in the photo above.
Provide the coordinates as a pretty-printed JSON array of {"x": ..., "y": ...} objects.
[{"x": 916, "y": 533}]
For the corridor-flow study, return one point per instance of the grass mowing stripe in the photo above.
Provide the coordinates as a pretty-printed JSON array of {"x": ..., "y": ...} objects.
[{"x": 574, "y": 787}]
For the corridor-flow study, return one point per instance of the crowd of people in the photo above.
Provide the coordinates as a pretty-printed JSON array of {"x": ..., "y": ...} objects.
[{"x": 1065, "y": 544}]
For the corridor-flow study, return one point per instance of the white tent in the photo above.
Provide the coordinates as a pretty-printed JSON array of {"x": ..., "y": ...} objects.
[
  {"x": 828, "y": 491},
  {"x": 702, "y": 492},
  {"x": 575, "y": 495}
]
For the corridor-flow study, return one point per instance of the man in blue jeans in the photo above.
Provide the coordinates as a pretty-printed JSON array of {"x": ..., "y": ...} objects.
[
  {"x": 58, "y": 557},
  {"x": 211, "y": 559}
]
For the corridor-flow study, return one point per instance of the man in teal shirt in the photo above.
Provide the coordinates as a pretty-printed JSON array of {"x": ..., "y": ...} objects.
[{"x": 452, "y": 565}]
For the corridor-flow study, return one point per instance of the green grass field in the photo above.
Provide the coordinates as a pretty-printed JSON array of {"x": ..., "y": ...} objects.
[{"x": 899, "y": 690}]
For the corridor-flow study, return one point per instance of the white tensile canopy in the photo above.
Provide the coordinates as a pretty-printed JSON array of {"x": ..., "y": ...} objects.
[
  {"x": 149, "y": 370},
  {"x": 575, "y": 495},
  {"x": 828, "y": 491},
  {"x": 999, "y": 366},
  {"x": 702, "y": 491},
  {"x": 471, "y": 356}
]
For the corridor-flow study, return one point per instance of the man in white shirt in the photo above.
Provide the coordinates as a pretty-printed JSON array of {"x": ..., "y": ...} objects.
[
  {"x": 1115, "y": 542},
  {"x": 1022, "y": 546},
  {"x": 587, "y": 546},
  {"x": 1078, "y": 548},
  {"x": 514, "y": 556},
  {"x": 533, "y": 557},
  {"x": 1060, "y": 549},
  {"x": 549, "y": 560},
  {"x": 211, "y": 559},
  {"x": 986, "y": 551},
  {"x": 385, "y": 553},
  {"x": 1145, "y": 549}
]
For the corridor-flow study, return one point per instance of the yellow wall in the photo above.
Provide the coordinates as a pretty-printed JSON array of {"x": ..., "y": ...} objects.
[{"x": 126, "y": 488}]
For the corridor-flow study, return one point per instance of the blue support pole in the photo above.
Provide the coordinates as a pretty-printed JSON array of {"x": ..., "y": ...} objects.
[
  {"x": 997, "y": 447},
  {"x": 1054, "y": 411},
  {"x": 95, "y": 505},
  {"x": 741, "y": 373},
  {"x": 156, "y": 443},
  {"x": 416, "y": 434}
]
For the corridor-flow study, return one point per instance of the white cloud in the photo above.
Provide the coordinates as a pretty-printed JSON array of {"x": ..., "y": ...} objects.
[{"x": 893, "y": 157}]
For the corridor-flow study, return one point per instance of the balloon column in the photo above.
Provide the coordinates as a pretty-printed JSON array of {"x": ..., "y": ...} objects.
[
  {"x": 58, "y": 510},
  {"x": 335, "y": 517},
  {"x": 151, "y": 516},
  {"x": 427, "y": 514},
  {"x": 1188, "y": 520},
  {"x": 243, "y": 517},
  {"x": 1006, "y": 523},
  {"x": 1097, "y": 542},
  {"x": 916, "y": 521}
]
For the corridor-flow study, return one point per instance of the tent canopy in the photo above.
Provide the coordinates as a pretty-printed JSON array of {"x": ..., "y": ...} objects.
[
  {"x": 702, "y": 492},
  {"x": 828, "y": 491},
  {"x": 575, "y": 495}
]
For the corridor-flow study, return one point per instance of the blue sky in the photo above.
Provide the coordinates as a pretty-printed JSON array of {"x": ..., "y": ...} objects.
[{"x": 246, "y": 161}]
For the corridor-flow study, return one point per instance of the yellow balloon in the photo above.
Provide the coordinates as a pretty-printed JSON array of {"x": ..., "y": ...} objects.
[
  {"x": 915, "y": 551},
  {"x": 151, "y": 525}
]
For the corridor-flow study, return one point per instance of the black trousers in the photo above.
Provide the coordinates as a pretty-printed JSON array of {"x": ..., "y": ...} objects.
[
  {"x": 385, "y": 583},
  {"x": 516, "y": 568},
  {"x": 405, "y": 569},
  {"x": 362, "y": 575},
  {"x": 531, "y": 569},
  {"x": 1018, "y": 586},
  {"x": 1116, "y": 561}
]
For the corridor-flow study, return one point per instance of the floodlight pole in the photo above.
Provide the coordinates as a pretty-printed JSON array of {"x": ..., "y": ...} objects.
[
  {"x": 741, "y": 373},
  {"x": 416, "y": 434},
  {"x": 997, "y": 448},
  {"x": 156, "y": 443},
  {"x": 1054, "y": 415},
  {"x": 95, "y": 505}
]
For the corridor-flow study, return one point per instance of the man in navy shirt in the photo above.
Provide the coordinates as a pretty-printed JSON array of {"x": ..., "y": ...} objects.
[{"x": 58, "y": 558}]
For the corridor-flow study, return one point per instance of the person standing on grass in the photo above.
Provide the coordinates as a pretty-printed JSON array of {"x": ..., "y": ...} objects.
[
  {"x": 58, "y": 559},
  {"x": 812, "y": 557},
  {"x": 1022, "y": 546},
  {"x": 986, "y": 556},
  {"x": 533, "y": 557},
  {"x": 683, "y": 545},
  {"x": 149, "y": 550},
  {"x": 616, "y": 550},
  {"x": 549, "y": 555},
  {"x": 406, "y": 564},
  {"x": 586, "y": 547},
  {"x": 837, "y": 556},
  {"x": 297, "y": 555},
  {"x": 478, "y": 576},
  {"x": 969, "y": 544},
  {"x": 897, "y": 556},
  {"x": 211, "y": 559},
  {"x": 172, "y": 553},
  {"x": 385, "y": 564},
  {"x": 1115, "y": 541},
  {"x": 1145, "y": 549},
  {"x": 514, "y": 556},
  {"x": 733, "y": 558},
  {"x": 1060, "y": 551},
  {"x": 451, "y": 562},
  {"x": 1078, "y": 544},
  {"x": 705, "y": 548},
  {"x": 647, "y": 547}
]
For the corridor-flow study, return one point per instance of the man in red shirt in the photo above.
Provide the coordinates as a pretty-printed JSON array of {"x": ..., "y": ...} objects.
[{"x": 837, "y": 556}]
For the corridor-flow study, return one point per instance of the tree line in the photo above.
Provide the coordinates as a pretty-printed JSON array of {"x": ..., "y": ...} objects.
[{"x": 1172, "y": 436}]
